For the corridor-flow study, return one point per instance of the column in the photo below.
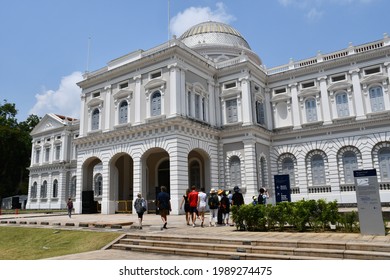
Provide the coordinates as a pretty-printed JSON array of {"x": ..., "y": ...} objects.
[
  {"x": 386, "y": 95},
  {"x": 108, "y": 195},
  {"x": 246, "y": 104},
  {"x": 178, "y": 158},
  {"x": 107, "y": 109},
  {"x": 212, "y": 104},
  {"x": 83, "y": 114},
  {"x": 174, "y": 88},
  {"x": 357, "y": 94},
  {"x": 295, "y": 106},
  {"x": 137, "y": 100},
  {"x": 250, "y": 169},
  {"x": 325, "y": 101}
]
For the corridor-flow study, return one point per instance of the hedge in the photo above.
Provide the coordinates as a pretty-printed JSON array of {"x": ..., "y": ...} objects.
[{"x": 303, "y": 215}]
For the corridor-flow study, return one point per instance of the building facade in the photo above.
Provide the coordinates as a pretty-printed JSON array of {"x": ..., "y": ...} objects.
[{"x": 203, "y": 110}]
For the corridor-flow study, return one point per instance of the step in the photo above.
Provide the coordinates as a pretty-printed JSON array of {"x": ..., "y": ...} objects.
[
  {"x": 239, "y": 249},
  {"x": 210, "y": 254},
  {"x": 337, "y": 245}
]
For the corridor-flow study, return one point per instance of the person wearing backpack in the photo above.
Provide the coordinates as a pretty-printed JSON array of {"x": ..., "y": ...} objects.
[
  {"x": 140, "y": 208},
  {"x": 262, "y": 198},
  {"x": 213, "y": 203},
  {"x": 225, "y": 209}
]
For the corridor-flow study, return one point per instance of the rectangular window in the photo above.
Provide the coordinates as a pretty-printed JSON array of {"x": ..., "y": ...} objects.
[
  {"x": 58, "y": 152},
  {"x": 37, "y": 155},
  {"x": 338, "y": 78},
  {"x": 280, "y": 90},
  {"x": 308, "y": 84},
  {"x": 47, "y": 154},
  {"x": 230, "y": 85},
  {"x": 96, "y": 94},
  {"x": 372, "y": 70},
  {"x": 155, "y": 75},
  {"x": 197, "y": 106},
  {"x": 231, "y": 111},
  {"x": 123, "y": 85}
]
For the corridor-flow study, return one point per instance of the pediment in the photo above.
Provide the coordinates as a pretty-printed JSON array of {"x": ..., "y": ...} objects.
[
  {"x": 94, "y": 102},
  {"x": 309, "y": 92},
  {"x": 339, "y": 86},
  {"x": 373, "y": 79},
  {"x": 123, "y": 93},
  {"x": 154, "y": 84},
  {"x": 280, "y": 97},
  {"x": 48, "y": 122},
  {"x": 230, "y": 92}
]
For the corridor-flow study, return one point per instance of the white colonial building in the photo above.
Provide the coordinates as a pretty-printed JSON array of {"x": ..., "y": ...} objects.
[{"x": 203, "y": 110}]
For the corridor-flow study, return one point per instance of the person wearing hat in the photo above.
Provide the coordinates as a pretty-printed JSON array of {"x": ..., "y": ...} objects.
[
  {"x": 237, "y": 198},
  {"x": 213, "y": 203},
  {"x": 219, "y": 214}
]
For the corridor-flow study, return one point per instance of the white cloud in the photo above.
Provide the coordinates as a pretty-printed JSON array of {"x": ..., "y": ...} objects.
[
  {"x": 194, "y": 15},
  {"x": 63, "y": 101},
  {"x": 314, "y": 9},
  {"x": 314, "y": 14}
]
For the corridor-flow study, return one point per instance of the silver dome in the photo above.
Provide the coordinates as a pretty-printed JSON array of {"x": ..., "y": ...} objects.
[
  {"x": 213, "y": 33},
  {"x": 217, "y": 41}
]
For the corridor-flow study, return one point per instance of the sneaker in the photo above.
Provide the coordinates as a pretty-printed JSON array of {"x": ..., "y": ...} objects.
[
  {"x": 193, "y": 225},
  {"x": 165, "y": 226}
]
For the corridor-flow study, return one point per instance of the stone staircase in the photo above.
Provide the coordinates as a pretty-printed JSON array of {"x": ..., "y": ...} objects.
[{"x": 270, "y": 249}]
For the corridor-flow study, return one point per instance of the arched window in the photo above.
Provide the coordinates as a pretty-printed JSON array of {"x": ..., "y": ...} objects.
[
  {"x": 288, "y": 168},
  {"x": 98, "y": 185},
  {"x": 72, "y": 192},
  {"x": 376, "y": 99},
  {"x": 123, "y": 112},
  {"x": 350, "y": 164},
  {"x": 342, "y": 104},
  {"x": 95, "y": 119},
  {"x": 384, "y": 164},
  {"x": 195, "y": 174},
  {"x": 318, "y": 170},
  {"x": 34, "y": 190},
  {"x": 44, "y": 189},
  {"x": 235, "y": 171},
  {"x": 311, "y": 110},
  {"x": 156, "y": 104},
  {"x": 55, "y": 188}
]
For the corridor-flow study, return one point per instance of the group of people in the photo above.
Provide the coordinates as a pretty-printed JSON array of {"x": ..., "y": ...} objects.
[
  {"x": 218, "y": 201},
  {"x": 195, "y": 203}
]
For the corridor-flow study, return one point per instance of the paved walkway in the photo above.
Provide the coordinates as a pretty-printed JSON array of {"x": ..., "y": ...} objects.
[{"x": 152, "y": 224}]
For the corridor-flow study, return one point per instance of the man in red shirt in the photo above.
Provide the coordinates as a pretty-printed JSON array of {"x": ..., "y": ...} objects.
[{"x": 193, "y": 200}]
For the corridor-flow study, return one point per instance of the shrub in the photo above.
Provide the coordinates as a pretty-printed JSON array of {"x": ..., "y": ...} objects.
[{"x": 301, "y": 215}]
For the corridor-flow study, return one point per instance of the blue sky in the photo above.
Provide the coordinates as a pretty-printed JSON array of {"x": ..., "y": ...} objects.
[{"x": 44, "y": 43}]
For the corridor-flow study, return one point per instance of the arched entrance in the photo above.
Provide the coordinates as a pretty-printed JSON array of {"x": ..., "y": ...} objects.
[
  {"x": 156, "y": 173},
  {"x": 199, "y": 169},
  {"x": 91, "y": 171},
  {"x": 121, "y": 182}
]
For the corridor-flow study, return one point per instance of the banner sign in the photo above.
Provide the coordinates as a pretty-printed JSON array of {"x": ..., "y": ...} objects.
[{"x": 282, "y": 188}]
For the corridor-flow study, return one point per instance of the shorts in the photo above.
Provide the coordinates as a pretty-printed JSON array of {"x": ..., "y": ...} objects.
[
  {"x": 202, "y": 209},
  {"x": 163, "y": 212},
  {"x": 193, "y": 210}
]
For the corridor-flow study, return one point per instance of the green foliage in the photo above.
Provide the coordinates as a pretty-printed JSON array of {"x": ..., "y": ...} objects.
[
  {"x": 15, "y": 150},
  {"x": 316, "y": 215},
  {"x": 349, "y": 221}
]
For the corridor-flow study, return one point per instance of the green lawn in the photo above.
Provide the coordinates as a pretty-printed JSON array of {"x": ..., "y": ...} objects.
[{"x": 36, "y": 243}]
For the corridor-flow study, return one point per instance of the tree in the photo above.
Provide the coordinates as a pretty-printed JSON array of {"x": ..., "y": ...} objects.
[{"x": 15, "y": 150}]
